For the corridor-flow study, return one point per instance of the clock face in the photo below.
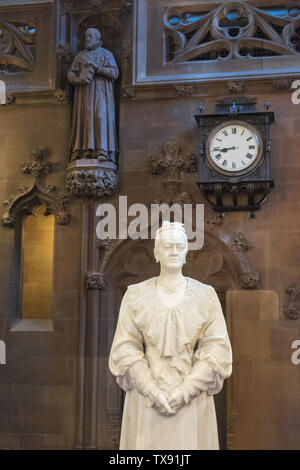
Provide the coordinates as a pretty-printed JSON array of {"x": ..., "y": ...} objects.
[{"x": 234, "y": 148}]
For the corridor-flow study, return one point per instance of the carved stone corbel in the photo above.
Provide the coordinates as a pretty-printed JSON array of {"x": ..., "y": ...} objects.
[
  {"x": 249, "y": 280},
  {"x": 96, "y": 281},
  {"x": 91, "y": 179}
]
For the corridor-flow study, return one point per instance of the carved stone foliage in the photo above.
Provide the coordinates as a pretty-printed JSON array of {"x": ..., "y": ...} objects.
[
  {"x": 292, "y": 309},
  {"x": 91, "y": 180},
  {"x": 128, "y": 92},
  {"x": 96, "y": 281},
  {"x": 236, "y": 87},
  {"x": 234, "y": 30},
  {"x": 282, "y": 85},
  {"x": 172, "y": 160},
  {"x": 37, "y": 192},
  {"x": 184, "y": 90},
  {"x": 249, "y": 280},
  {"x": 127, "y": 5},
  {"x": 127, "y": 48},
  {"x": 17, "y": 46},
  {"x": 240, "y": 246},
  {"x": 61, "y": 96}
]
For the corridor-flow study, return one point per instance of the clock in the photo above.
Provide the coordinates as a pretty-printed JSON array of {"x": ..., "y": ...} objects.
[
  {"x": 234, "y": 155},
  {"x": 234, "y": 148}
]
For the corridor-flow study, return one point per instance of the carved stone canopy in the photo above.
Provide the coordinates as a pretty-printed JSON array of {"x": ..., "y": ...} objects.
[{"x": 36, "y": 193}]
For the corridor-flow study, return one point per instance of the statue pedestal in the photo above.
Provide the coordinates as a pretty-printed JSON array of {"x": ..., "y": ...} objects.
[{"x": 91, "y": 179}]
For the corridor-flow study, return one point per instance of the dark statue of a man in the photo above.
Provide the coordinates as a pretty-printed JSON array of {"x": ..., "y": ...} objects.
[{"x": 93, "y": 129}]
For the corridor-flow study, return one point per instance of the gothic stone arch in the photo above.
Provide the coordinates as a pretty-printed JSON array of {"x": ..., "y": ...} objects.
[{"x": 222, "y": 263}]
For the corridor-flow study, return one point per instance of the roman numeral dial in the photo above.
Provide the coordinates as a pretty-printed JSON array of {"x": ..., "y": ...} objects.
[{"x": 234, "y": 147}]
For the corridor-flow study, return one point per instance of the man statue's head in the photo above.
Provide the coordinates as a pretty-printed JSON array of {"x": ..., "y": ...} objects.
[{"x": 92, "y": 39}]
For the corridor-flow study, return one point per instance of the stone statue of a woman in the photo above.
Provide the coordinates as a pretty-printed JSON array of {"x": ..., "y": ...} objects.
[{"x": 171, "y": 353}]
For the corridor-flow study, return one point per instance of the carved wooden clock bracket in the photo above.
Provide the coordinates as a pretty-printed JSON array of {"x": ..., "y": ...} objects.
[{"x": 234, "y": 161}]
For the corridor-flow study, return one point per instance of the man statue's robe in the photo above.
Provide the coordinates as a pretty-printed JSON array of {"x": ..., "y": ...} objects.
[{"x": 93, "y": 129}]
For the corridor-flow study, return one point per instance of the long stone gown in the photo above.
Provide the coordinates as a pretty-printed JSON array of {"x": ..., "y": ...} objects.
[
  {"x": 93, "y": 128},
  {"x": 192, "y": 336}
]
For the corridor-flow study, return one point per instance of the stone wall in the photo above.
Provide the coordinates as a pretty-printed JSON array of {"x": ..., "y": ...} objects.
[
  {"x": 38, "y": 382},
  {"x": 39, "y": 385}
]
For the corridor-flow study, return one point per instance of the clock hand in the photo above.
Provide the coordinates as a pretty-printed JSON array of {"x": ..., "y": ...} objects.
[{"x": 226, "y": 149}]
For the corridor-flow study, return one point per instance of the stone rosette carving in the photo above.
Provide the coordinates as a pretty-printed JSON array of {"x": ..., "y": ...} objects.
[
  {"x": 292, "y": 310},
  {"x": 91, "y": 179},
  {"x": 128, "y": 92},
  {"x": 27, "y": 196},
  {"x": 173, "y": 160},
  {"x": 184, "y": 90},
  {"x": 10, "y": 99},
  {"x": 61, "y": 96},
  {"x": 236, "y": 87},
  {"x": 96, "y": 281},
  {"x": 37, "y": 167}
]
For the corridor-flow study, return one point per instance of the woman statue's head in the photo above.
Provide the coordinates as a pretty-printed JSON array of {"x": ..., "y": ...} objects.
[{"x": 171, "y": 246}]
